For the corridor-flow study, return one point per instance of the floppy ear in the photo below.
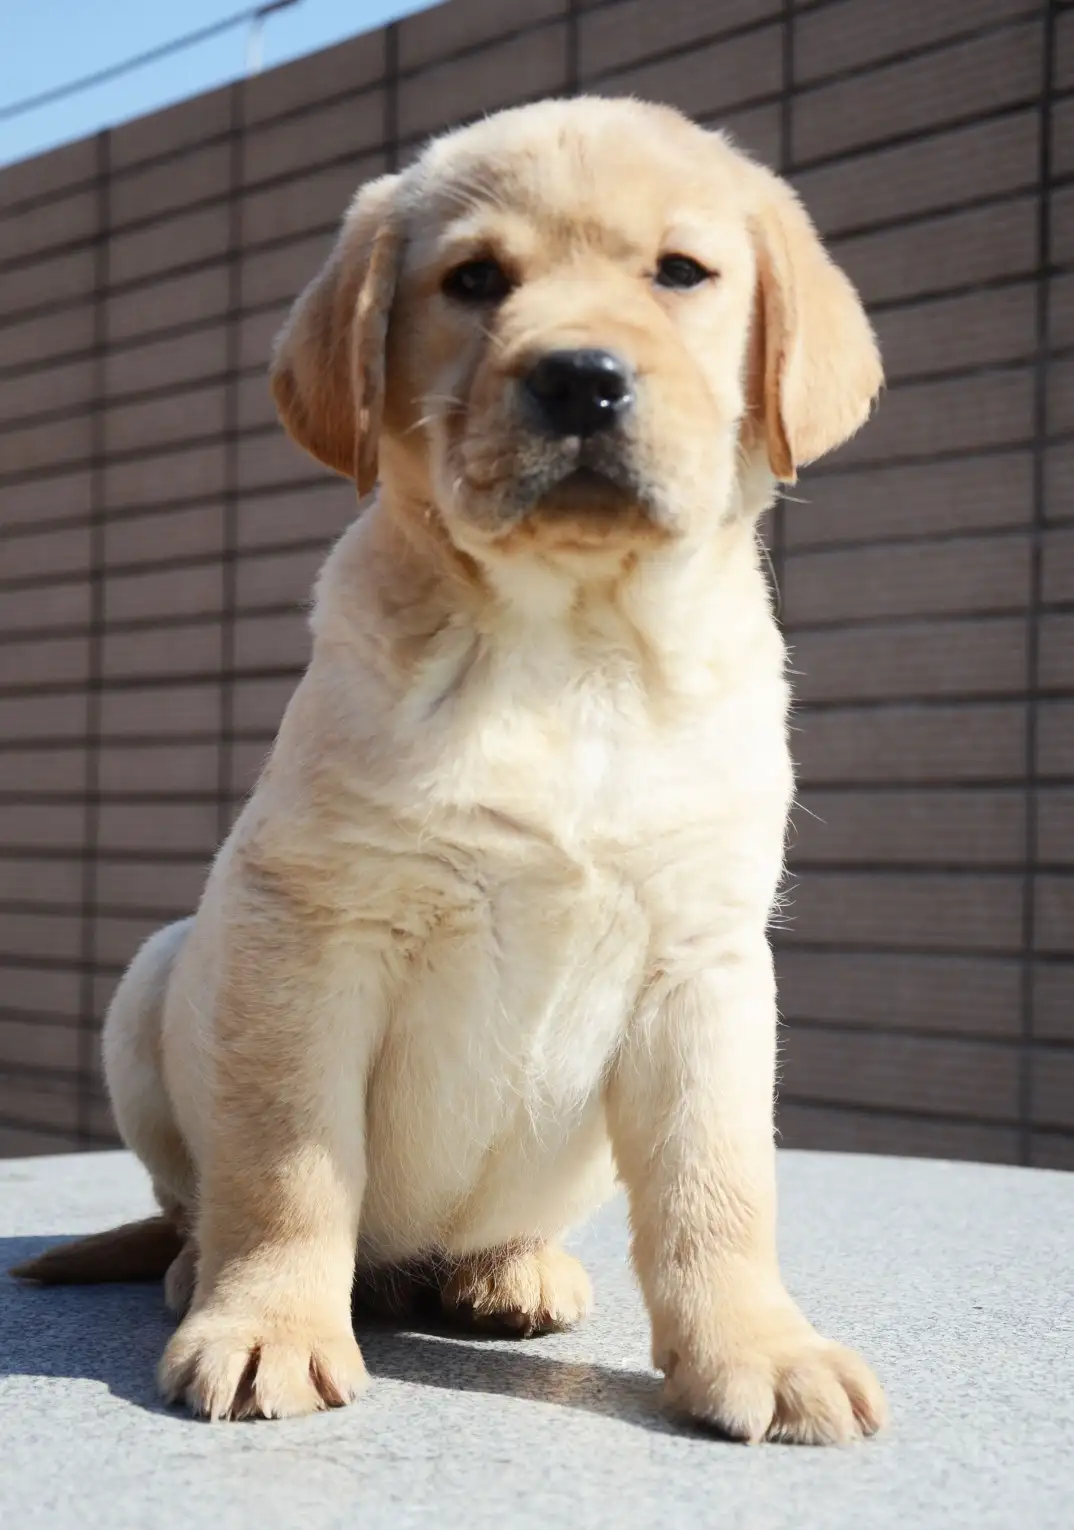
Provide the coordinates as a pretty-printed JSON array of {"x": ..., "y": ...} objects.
[
  {"x": 818, "y": 370},
  {"x": 327, "y": 371}
]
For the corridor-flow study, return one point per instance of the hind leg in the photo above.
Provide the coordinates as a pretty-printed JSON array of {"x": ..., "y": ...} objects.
[
  {"x": 133, "y": 1072},
  {"x": 519, "y": 1291},
  {"x": 181, "y": 1279}
]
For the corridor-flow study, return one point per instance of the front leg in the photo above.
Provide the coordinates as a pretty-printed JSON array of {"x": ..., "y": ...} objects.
[
  {"x": 280, "y": 1185},
  {"x": 690, "y": 1111}
]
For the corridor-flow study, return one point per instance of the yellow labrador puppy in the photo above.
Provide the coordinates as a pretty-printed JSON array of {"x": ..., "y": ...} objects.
[{"x": 491, "y": 932}]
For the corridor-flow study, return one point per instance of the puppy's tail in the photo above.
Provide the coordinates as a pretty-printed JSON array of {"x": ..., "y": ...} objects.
[{"x": 136, "y": 1251}]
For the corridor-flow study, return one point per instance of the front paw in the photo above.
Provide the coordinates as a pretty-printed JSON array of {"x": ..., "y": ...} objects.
[
  {"x": 228, "y": 1366},
  {"x": 771, "y": 1376}
]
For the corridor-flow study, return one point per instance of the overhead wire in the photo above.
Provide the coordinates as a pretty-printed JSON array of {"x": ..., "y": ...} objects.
[{"x": 250, "y": 16}]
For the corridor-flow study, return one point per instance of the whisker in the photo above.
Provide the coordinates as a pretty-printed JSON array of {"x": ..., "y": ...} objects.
[
  {"x": 775, "y": 580},
  {"x": 426, "y": 419}
]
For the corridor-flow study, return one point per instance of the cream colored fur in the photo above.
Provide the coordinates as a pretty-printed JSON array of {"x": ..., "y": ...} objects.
[{"x": 491, "y": 930}]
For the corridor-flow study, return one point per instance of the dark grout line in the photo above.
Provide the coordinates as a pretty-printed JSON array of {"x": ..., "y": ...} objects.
[
  {"x": 896, "y": 1112},
  {"x": 95, "y": 653},
  {"x": 231, "y": 495},
  {"x": 1034, "y": 687},
  {"x": 74, "y": 1136}
]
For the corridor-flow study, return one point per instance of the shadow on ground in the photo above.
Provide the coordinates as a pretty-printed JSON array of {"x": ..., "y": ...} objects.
[
  {"x": 114, "y": 1334},
  {"x": 111, "y": 1334},
  {"x": 516, "y": 1369}
]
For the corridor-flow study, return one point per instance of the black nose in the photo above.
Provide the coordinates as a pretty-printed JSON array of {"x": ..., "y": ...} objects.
[{"x": 578, "y": 393}]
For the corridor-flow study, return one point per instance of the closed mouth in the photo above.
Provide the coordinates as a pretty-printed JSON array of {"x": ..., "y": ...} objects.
[{"x": 588, "y": 491}]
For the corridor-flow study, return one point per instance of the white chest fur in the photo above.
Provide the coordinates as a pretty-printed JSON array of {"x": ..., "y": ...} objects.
[
  {"x": 570, "y": 814},
  {"x": 567, "y": 849}
]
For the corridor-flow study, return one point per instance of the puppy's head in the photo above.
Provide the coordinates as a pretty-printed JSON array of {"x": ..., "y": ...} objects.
[{"x": 579, "y": 323}]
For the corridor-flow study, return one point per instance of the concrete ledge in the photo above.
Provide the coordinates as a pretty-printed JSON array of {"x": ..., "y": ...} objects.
[{"x": 955, "y": 1280}]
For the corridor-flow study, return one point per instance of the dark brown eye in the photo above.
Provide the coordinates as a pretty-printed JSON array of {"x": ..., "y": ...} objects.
[
  {"x": 680, "y": 272},
  {"x": 477, "y": 282}
]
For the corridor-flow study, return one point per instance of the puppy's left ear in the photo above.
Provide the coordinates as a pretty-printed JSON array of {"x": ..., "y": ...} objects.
[
  {"x": 327, "y": 372},
  {"x": 817, "y": 368}
]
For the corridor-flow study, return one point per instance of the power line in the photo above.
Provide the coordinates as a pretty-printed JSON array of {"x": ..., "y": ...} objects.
[{"x": 253, "y": 15}]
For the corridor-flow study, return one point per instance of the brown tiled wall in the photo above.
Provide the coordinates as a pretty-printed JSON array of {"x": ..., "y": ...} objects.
[{"x": 159, "y": 534}]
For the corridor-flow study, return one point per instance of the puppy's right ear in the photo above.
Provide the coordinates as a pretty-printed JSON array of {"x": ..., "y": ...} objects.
[{"x": 327, "y": 371}]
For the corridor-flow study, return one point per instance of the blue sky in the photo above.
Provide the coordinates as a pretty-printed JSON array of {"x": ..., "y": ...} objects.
[{"x": 49, "y": 42}]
